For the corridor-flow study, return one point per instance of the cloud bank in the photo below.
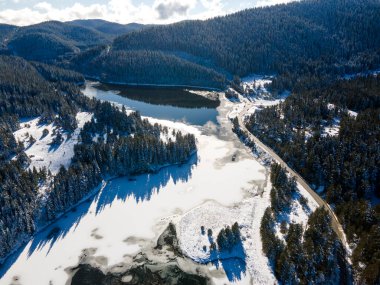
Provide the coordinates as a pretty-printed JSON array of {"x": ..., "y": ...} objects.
[{"x": 125, "y": 11}]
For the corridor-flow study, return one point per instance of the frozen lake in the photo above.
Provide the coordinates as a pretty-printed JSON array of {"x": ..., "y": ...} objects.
[
  {"x": 177, "y": 105},
  {"x": 127, "y": 214}
]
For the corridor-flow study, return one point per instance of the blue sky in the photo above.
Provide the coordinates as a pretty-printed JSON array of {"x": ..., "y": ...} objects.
[{"x": 25, "y": 12}]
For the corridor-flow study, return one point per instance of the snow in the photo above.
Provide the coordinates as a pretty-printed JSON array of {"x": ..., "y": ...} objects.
[
  {"x": 261, "y": 104},
  {"x": 248, "y": 213},
  {"x": 41, "y": 153},
  {"x": 258, "y": 98},
  {"x": 332, "y": 131},
  {"x": 236, "y": 110},
  {"x": 257, "y": 104},
  {"x": 352, "y": 113},
  {"x": 211, "y": 190},
  {"x": 208, "y": 215},
  {"x": 375, "y": 72},
  {"x": 140, "y": 210},
  {"x": 330, "y": 106},
  {"x": 312, "y": 204},
  {"x": 297, "y": 214},
  {"x": 257, "y": 83}
]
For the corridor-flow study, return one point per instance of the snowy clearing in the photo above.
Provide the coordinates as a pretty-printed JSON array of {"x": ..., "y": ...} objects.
[
  {"x": 248, "y": 213},
  {"x": 41, "y": 153}
]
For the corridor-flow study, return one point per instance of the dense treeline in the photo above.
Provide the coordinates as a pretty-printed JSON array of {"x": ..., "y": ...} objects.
[
  {"x": 40, "y": 46},
  {"x": 346, "y": 166},
  {"x": 26, "y": 92},
  {"x": 144, "y": 67},
  {"x": 304, "y": 256},
  {"x": 131, "y": 145},
  {"x": 283, "y": 190},
  {"x": 18, "y": 203},
  {"x": 313, "y": 38},
  {"x": 51, "y": 41},
  {"x": 228, "y": 237},
  {"x": 56, "y": 74},
  {"x": 55, "y": 41}
]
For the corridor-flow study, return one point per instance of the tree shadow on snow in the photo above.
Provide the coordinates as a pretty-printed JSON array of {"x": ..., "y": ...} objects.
[
  {"x": 141, "y": 188},
  {"x": 232, "y": 262}
]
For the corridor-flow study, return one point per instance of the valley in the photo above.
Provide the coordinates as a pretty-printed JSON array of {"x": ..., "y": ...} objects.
[
  {"x": 141, "y": 208},
  {"x": 236, "y": 149}
]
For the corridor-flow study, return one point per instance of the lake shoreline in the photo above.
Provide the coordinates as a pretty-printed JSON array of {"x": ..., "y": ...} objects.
[{"x": 152, "y": 85}]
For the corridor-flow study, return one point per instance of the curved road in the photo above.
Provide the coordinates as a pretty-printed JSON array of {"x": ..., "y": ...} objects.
[{"x": 337, "y": 227}]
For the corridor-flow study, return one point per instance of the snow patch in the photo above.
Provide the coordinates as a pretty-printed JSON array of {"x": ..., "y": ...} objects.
[
  {"x": 41, "y": 153},
  {"x": 352, "y": 113},
  {"x": 248, "y": 213}
]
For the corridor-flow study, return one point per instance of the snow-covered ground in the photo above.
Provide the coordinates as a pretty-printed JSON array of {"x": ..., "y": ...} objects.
[
  {"x": 41, "y": 153},
  {"x": 248, "y": 214},
  {"x": 333, "y": 129},
  {"x": 298, "y": 213},
  {"x": 212, "y": 190},
  {"x": 256, "y": 84},
  {"x": 128, "y": 213},
  {"x": 257, "y": 96},
  {"x": 352, "y": 113}
]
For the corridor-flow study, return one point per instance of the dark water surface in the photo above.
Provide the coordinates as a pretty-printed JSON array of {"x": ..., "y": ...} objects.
[{"x": 175, "y": 104}]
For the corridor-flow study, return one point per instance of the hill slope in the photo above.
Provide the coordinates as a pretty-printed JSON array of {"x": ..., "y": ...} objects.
[
  {"x": 49, "y": 41},
  {"x": 108, "y": 28},
  {"x": 330, "y": 37},
  {"x": 144, "y": 67}
]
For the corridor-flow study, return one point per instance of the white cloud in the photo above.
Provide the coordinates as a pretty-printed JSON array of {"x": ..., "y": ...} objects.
[
  {"x": 166, "y": 9},
  {"x": 124, "y": 11}
]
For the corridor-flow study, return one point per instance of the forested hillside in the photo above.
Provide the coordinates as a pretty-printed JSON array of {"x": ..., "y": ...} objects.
[
  {"x": 311, "y": 255},
  {"x": 111, "y": 144},
  {"x": 144, "y": 67},
  {"x": 25, "y": 92},
  {"x": 5, "y": 31},
  {"x": 317, "y": 38},
  {"x": 344, "y": 166},
  {"x": 108, "y": 28},
  {"x": 51, "y": 41},
  {"x": 312, "y": 40}
]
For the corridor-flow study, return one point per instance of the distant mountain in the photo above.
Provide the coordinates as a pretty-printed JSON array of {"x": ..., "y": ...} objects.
[
  {"x": 317, "y": 37},
  {"x": 5, "y": 32},
  {"x": 40, "y": 46},
  {"x": 312, "y": 40},
  {"x": 53, "y": 41},
  {"x": 108, "y": 28},
  {"x": 76, "y": 35},
  {"x": 50, "y": 41}
]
